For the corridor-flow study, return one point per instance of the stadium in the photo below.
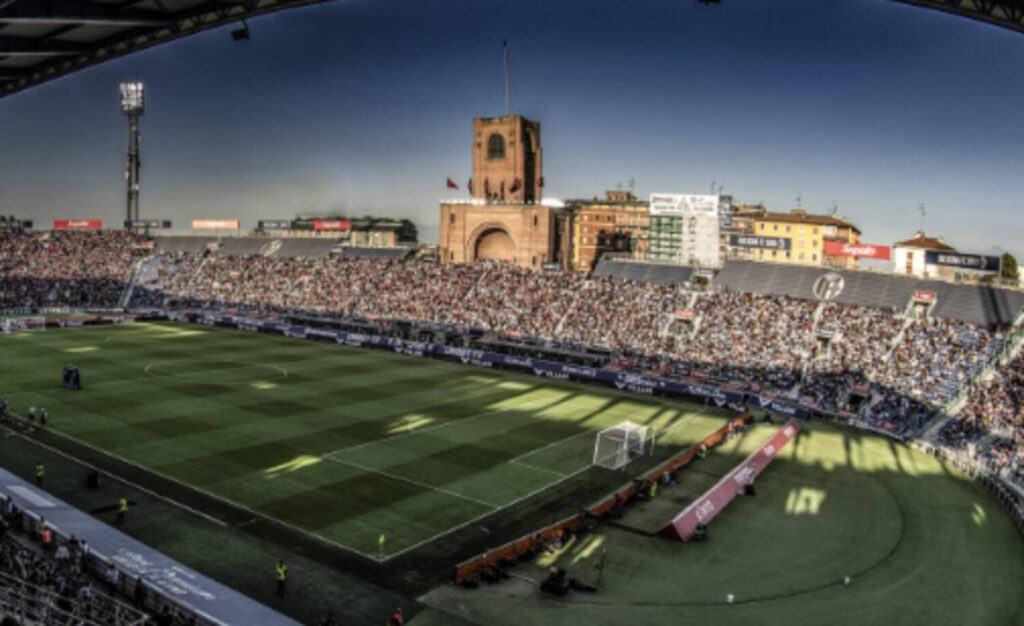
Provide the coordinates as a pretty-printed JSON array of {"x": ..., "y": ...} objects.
[{"x": 324, "y": 421}]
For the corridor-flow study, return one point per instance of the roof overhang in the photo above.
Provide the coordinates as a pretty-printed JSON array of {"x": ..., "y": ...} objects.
[
  {"x": 41, "y": 40},
  {"x": 1003, "y": 13}
]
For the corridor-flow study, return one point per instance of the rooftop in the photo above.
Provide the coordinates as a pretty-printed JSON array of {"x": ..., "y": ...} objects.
[{"x": 920, "y": 240}]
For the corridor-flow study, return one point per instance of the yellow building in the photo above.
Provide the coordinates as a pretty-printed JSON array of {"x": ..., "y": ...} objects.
[{"x": 799, "y": 238}]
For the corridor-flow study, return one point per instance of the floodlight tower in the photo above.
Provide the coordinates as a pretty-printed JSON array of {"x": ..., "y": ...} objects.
[{"x": 133, "y": 104}]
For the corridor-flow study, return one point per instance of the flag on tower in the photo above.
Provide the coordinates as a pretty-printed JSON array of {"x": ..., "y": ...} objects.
[
  {"x": 451, "y": 184},
  {"x": 469, "y": 185},
  {"x": 540, "y": 182}
]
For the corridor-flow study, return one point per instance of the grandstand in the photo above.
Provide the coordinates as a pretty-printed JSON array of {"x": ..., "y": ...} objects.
[{"x": 275, "y": 435}]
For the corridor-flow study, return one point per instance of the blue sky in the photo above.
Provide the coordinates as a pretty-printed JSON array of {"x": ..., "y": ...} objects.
[{"x": 366, "y": 106}]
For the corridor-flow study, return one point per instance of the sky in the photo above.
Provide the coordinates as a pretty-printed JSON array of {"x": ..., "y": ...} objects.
[{"x": 366, "y": 106}]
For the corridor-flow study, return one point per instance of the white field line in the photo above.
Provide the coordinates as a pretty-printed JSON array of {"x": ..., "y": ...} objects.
[
  {"x": 115, "y": 477},
  {"x": 214, "y": 496},
  {"x": 452, "y": 529},
  {"x": 427, "y": 429},
  {"x": 411, "y": 481},
  {"x": 589, "y": 431},
  {"x": 536, "y": 468},
  {"x": 535, "y": 492}
]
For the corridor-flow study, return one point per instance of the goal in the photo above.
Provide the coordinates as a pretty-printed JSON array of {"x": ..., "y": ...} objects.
[
  {"x": 615, "y": 447},
  {"x": 22, "y": 324}
]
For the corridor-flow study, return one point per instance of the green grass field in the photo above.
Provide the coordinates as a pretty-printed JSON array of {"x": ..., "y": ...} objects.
[
  {"x": 344, "y": 444},
  {"x": 922, "y": 543}
]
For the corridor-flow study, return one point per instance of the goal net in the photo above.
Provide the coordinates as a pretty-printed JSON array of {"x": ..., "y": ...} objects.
[
  {"x": 615, "y": 447},
  {"x": 22, "y": 324}
]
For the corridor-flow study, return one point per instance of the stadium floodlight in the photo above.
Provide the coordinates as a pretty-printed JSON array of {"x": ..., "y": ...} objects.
[
  {"x": 133, "y": 105},
  {"x": 133, "y": 98}
]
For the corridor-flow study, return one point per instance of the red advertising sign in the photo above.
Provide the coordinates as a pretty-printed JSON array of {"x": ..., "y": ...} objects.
[
  {"x": 704, "y": 509},
  {"x": 924, "y": 296},
  {"x": 859, "y": 250},
  {"x": 215, "y": 224},
  {"x": 332, "y": 225},
  {"x": 77, "y": 224}
]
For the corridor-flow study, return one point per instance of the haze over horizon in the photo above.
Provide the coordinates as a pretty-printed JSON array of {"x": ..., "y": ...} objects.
[{"x": 366, "y": 107}]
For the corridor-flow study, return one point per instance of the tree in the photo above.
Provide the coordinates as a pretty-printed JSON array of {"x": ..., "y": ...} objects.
[{"x": 1010, "y": 271}]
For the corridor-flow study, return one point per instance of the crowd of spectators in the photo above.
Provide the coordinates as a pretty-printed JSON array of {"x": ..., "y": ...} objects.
[
  {"x": 64, "y": 268},
  {"x": 858, "y": 360},
  {"x": 851, "y": 360},
  {"x": 990, "y": 427},
  {"x": 49, "y": 574}
]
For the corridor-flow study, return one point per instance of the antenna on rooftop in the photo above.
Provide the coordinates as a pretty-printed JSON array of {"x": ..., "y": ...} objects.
[
  {"x": 920, "y": 207},
  {"x": 799, "y": 201},
  {"x": 631, "y": 183}
]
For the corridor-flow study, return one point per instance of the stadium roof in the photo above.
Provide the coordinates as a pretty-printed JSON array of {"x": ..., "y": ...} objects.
[
  {"x": 1004, "y": 13},
  {"x": 44, "y": 39}
]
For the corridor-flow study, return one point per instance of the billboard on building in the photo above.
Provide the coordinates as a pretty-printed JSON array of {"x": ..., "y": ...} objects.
[
  {"x": 332, "y": 225},
  {"x": 766, "y": 243},
  {"x": 683, "y": 204},
  {"x": 974, "y": 262},
  {"x": 274, "y": 224},
  {"x": 77, "y": 224},
  {"x": 858, "y": 250},
  {"x": 144, "y": 224},
  {"x": 215, "y": 224}
]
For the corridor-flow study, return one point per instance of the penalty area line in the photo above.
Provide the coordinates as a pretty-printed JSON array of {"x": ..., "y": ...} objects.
[
  {"x": 411, "y": 481},
  {"x": 476, "y": 519}
]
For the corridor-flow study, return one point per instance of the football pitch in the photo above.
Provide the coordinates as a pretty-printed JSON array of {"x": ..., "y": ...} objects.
[{"x": 370, "y": 451}]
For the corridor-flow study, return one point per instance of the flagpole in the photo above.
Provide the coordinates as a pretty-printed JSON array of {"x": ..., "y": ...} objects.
[{"x": 504, "y": 48}]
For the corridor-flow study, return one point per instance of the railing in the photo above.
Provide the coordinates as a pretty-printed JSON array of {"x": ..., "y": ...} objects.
[
  {"x": 1009, "y": 496},
  {"x": 29, "y": 604}
]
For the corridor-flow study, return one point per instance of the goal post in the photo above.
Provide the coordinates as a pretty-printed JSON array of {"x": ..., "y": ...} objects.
[
  {"x": 23, "y": 324},
  {"x": 616, "y": 446}
]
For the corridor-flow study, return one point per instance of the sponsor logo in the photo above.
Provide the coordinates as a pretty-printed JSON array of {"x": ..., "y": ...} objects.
[
  {"x": 215, "y": 224},
  {"x": 705, "y": 510},
  {"x": 77, "y": 224},
  {"x": 518, "y": 362},
  {"x": 858, "y": 250},
  {"x": 829, "y": 286},
  {"x": 551, "y": 374},
  {"x": 332, "y": 225},
  {"x": 745, "y": 475},
  {"x": 574, "y": 370}
]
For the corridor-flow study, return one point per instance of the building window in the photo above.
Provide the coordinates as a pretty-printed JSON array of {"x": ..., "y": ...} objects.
[
  {"x": 814, "y": 231},
  {"x": 451, "y": 218},
  {"x": 495, "y": 146},
  {"x": 535, "y": 221},
  {"x": 788, "y": 254},
  {"x": 773, "y": 254},
  {"x": 788, "y": 228},
  {"x": 803, "y": 229},
  {"x": 775, "y": 227},
  {"x": 801, "y": 256},
  {"x": 814, "y": 257}
]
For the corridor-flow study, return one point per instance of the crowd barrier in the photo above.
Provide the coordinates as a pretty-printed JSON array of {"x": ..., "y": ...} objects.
[
  {"x": 1005, "y": 493},
  {"x": 536, "y": 540}
]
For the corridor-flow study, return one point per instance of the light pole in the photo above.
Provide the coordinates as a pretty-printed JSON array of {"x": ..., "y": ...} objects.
[{"x": 133, "y": 104}]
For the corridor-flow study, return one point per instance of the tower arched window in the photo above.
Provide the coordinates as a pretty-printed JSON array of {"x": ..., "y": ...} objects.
[{"x": 495, "y": 146}]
